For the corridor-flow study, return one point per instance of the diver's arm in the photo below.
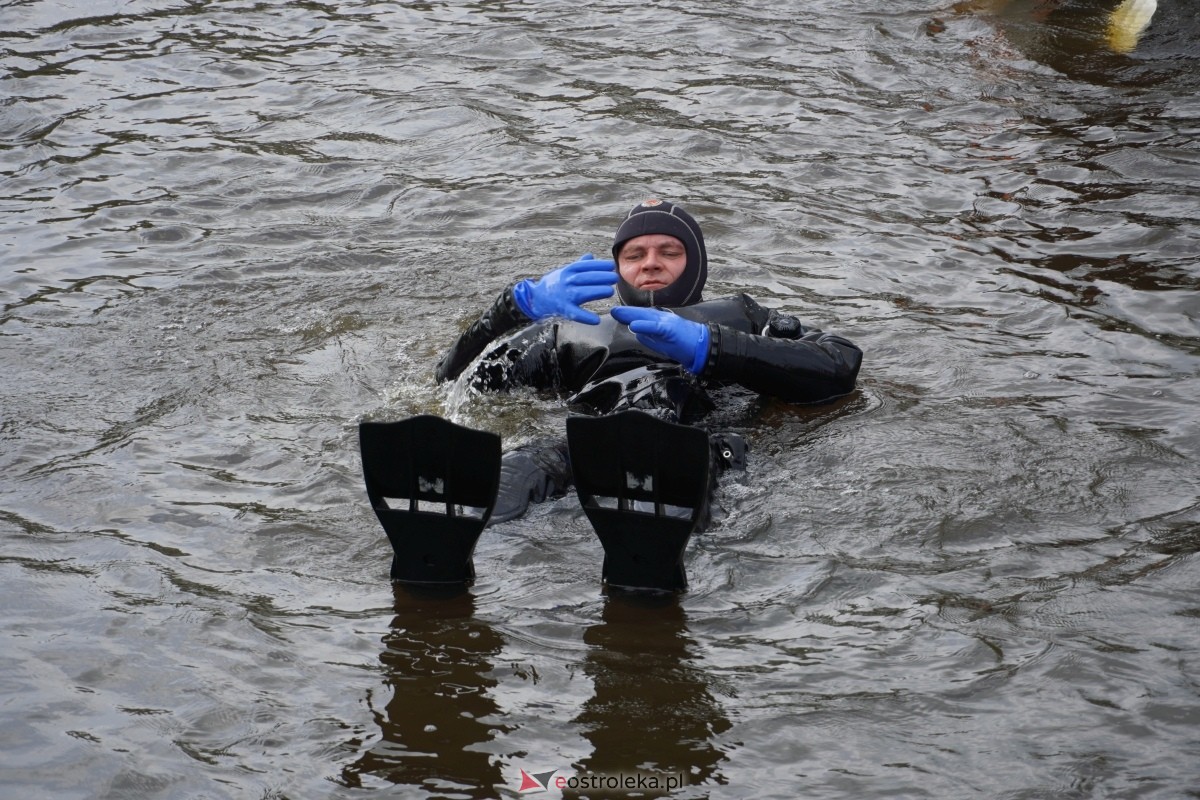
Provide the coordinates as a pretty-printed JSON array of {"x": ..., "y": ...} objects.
[
  {"x": 765, "y": 351},
  {"x": 504, "y": 316},
  {"x": 813, "y": 367},
  {"x": 559, "y": 293}
]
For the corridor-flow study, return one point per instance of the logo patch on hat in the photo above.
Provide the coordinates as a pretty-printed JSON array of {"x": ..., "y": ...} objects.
[{"x": 651, "y": 203}]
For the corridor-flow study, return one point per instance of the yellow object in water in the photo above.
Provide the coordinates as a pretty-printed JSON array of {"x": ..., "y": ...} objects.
[{"x": 1126, "y": 23}]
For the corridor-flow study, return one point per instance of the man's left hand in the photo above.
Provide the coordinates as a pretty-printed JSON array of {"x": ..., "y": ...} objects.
[{"x": 670, "y": 334}]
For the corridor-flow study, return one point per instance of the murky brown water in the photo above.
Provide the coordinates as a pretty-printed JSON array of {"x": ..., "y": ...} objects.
[{"x": 231, "y": 230}]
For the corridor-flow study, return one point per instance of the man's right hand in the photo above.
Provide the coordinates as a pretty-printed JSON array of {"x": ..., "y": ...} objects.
[{"x": 562, "y": 292}]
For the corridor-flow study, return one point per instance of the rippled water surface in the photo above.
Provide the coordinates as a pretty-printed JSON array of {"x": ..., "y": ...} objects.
[{"x": 231, "y": 230}]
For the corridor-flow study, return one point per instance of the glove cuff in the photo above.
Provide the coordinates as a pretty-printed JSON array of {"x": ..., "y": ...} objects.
[
  {"x": 700, "y": 354},
  {"x": 522, "y": 294},
  {"x": 707, "y": 355}
]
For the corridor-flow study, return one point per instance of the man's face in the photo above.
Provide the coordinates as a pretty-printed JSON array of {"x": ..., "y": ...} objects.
[{"x": 652, "y": 261}]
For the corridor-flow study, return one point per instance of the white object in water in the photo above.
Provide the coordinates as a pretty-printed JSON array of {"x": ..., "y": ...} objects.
[{"x": 1126, "y": 23}]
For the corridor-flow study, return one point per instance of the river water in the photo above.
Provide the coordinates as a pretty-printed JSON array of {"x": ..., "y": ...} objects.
[{"x": 231, "y": 230}]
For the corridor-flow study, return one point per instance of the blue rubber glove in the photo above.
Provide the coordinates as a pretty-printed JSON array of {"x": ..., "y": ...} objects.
[
  {"x": 670, "y": 334},
  {"x": 561, "y": 293}
]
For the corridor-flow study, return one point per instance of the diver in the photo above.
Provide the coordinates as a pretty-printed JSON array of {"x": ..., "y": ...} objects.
[{"x": 659, "y": 351}]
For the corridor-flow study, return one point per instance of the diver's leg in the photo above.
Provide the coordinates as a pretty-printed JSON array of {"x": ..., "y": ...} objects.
[
  {"x": 729, "y": 451},
  {"x": 531, "y": 473}
]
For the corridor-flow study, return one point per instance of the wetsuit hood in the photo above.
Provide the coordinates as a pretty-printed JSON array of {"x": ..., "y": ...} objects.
[{"x": 660, "y": 216}]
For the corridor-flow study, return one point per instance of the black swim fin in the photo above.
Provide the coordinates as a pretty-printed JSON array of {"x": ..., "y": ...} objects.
[
  {"x": 645, "y": 485},
  {"x": 433, "y": 486}
]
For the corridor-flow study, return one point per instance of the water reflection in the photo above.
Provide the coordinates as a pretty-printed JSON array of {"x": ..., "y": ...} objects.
[
  {"x": 1112, "y": 25},
  {"x": 1101, "y": 41},
  {"x": 437, "y": 664},
  {"x": 652, "y": 709}
]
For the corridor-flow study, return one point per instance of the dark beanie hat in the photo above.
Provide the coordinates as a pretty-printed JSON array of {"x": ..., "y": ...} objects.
[{"x": 659, "y": 216}]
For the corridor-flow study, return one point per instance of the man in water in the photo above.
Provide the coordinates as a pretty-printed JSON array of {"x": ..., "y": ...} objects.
[{"x": 659, "y": 351}]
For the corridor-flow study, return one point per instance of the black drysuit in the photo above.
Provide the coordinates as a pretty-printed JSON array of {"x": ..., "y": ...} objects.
[{"x": 603, "y": 368}]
